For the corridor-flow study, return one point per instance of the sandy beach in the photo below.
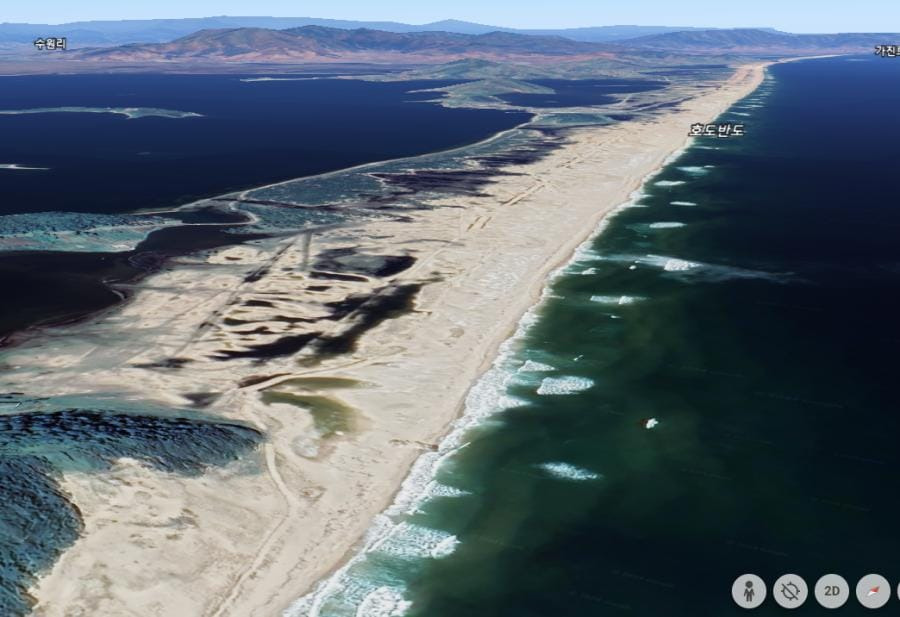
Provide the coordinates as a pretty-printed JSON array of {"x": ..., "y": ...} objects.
[{"x": 250, "y": 539}]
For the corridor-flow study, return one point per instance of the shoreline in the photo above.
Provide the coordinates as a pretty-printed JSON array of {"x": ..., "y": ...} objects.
[
  {"x": 325, "y": 504},
  {"x": 493, "y": 359}
]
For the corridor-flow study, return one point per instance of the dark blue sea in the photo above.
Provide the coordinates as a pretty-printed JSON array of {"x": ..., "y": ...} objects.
[{"x": 708, "y": 389}]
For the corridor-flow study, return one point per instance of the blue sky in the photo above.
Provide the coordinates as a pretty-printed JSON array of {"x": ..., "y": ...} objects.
[{"x": 790, "y": 15}]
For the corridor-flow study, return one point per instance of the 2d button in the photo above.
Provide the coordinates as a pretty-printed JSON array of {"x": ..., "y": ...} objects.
[
  {"x": 873, "y": 591},
  {"x": 748, "y": 591},
  {"x": 790, "y": 591},
  {"x": 832, "y": 591}
]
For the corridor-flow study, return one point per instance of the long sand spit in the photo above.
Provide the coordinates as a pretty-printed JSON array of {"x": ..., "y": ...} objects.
[{"x": 248, "y": 540}]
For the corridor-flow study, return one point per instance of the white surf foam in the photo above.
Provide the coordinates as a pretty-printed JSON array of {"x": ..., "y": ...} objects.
[
  {"x": 705, "y": 271},
  {"x": 21, "y": 167},
  {"x": 409, "y": 541},
  {"x": 567, "y": 471},
  {"x": 666, "y": 225},
  {"x": 683, "y": 203},
  {"x": 669, "y": 182},
  {"x": 696, "y": 170},
  {"x": 678, "y": 265},
  {"x": 564, "y": 385},
  {"x": 384, "y": 602},
  {"x": 589, "y": 271},
  {"x": 531, "y": 366},
  {"x": 616, "y": 300},
  {"x": 436, "y": 489}
]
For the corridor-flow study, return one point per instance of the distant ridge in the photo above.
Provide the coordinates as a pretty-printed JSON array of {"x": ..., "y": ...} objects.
[
  {"x": 97, "y": 33},
  {"x": 756, "y": 41},
  {"x": 317, "y": 43},
  {"x": 365, "y": 45}
]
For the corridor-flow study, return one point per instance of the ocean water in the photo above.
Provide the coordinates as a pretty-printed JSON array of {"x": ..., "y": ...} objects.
[{"x": 737, "y": 412}]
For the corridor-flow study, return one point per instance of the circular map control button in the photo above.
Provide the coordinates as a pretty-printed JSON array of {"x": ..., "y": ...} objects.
[
  {"x": 832, "y": 591},
  {"x": 748, "y": 591},
  {"x": 873, "y": 591},
  {"x": 790, "y": 591}
]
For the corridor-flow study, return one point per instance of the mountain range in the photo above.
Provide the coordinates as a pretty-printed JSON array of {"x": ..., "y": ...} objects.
[
  {"x": 99, "y": 33},
  {"x": 757, "y": 42},
  {"x": 317, "y": 43},
  {"x": 365, "y": 45}
]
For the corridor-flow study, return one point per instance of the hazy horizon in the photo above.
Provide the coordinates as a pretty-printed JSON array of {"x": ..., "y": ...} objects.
[{"x": 799, "y": 17}]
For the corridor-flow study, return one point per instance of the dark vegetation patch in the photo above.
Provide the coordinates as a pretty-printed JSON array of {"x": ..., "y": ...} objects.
[
  {"x": 284, "y": 346},
  {"x": 390, "y": 303}
]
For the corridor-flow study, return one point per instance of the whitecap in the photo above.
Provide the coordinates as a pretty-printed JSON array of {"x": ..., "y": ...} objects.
[
  {"x": 617, "y": 300},
  {"x": 589, "y": 271},
  {"x": 384, "y": 602},
  {"x": 21, "y": 167},
  {"x": 705, "y": 271},
  {"x": 445, "y": 547},
  {"x": 666, "y": 225},
  {"x": 678, "y": 265},
  {"x": 696, "y": 170},
  {"x": 564, "y": 385},
  {"x": 531, "y": 366},
  {"x": 683, "y": 203},
  {"x": 567, "y": 471},
  {"x": 436, "y": 489},
  {"x": 410, "y": 541}
]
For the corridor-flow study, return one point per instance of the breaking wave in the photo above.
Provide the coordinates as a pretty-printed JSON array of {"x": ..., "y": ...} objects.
[
  {"x": 616, "y": 300},
  {"x": 567, "y": 471},
  {"x": 531, "y": 366},
  {"x": 696, "y": 170},
  {"x": 564, "y": 385},
  {"x": 699, "y": 270},
  {"x": 17, "y": 166}
]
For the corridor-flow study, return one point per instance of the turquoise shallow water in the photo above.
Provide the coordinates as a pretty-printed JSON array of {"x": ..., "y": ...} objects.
[{"x": 748, "y": 303}]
